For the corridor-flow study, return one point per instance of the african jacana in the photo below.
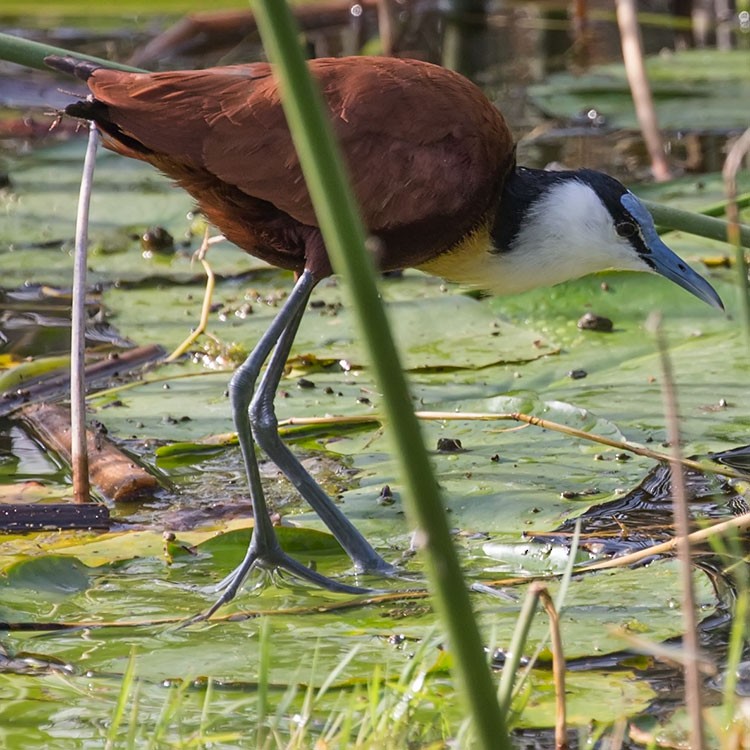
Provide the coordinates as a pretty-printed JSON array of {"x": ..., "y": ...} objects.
[{"x": 432, "y": 164}]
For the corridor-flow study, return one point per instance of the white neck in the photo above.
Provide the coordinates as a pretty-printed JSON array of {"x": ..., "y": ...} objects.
[{"x": 565, "y": 233}]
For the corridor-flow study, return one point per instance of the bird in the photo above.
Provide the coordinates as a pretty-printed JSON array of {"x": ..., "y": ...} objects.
[{"x": 432, "y": 164}]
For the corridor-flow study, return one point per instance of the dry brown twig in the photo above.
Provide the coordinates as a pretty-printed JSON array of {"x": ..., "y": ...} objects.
[
  {"x": 207, "y": 296},
  {"x": 558, "y": 665},
  {"x": 531, "y": 420},
  {"x": 79, "y": 450},
  {"x": 693, "y": 681},
  {"x": 635, "y": 70}
]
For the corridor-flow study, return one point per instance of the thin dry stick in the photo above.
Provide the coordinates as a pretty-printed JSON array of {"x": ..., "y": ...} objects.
[
  {"x": 626, "y": 445},
  {"x": 635, "y": 69},
  {"x": 509, "y": 684},
  {"x": 558, "y": 667},
  {"x": 207, "y": 297},
  {"x": 580, "y": 21},
  {"x": 386, "y": 26},
  {"x": 731, "y": 166},
  {"x": 617, "y": 735},
  {"x": 682, "y": 540},
  {"x": 529, "y": 419},
  {"x": 79, "y": 454},
  {"x": 664, "y": 548},
  {"x": 668, "y": 654}
]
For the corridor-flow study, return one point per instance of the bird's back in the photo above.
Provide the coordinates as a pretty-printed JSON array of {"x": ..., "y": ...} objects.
[{"x": 427, "y": 153}]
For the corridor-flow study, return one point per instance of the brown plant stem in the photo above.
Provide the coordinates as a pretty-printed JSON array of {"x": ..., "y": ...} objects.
[
  {"x": 693, "y": 681},
  {"x": 207, "y": 297},
  {"x": 635, "y": 69},
  {"x": 558, "y": 667},
  {"x": 79, "y": 450},
  {"x": 529, "y": 419}
]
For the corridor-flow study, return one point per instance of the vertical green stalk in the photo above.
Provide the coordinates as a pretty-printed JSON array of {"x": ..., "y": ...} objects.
[
  {"x": 344, "y": 237},
  {"x": 515, "y": 649}
]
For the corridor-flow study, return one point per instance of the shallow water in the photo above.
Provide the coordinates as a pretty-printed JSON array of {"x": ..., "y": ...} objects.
[{"x": 505, "y": 355}]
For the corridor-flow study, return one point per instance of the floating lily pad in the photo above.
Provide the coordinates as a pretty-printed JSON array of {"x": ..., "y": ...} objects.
[
  {"x": 693, "y": 90},
  {"x": 104, "y": 597}
]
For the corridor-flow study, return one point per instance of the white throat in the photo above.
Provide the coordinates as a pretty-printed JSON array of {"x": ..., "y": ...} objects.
[{"x": 566, "y": 233}]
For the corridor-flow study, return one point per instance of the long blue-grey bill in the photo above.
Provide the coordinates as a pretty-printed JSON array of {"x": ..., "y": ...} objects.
[{"x": 664, "y": 261}]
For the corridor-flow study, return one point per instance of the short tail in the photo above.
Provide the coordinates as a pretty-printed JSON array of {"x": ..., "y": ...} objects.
[
  {"x": 92, "y": 109},
  {"x": 73, "y": 66}
]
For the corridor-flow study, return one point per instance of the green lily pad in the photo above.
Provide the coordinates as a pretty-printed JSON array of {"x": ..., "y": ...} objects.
[
  {"x": 104, "y": 597},
  {"x": 49, "y": 575},
  {"x": 693, "y": 90}
]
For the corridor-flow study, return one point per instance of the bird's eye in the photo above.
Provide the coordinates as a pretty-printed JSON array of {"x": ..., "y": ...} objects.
[{"x": 626, "y": 229}]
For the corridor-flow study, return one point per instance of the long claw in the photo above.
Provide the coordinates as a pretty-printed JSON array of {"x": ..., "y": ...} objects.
[{"x": 278, "y": 562}]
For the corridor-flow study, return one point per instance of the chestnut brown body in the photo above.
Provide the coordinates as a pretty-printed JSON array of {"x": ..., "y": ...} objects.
[{"x": 427, "y": 154}]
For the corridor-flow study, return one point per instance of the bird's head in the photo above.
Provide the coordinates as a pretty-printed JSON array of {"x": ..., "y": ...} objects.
[{"x": 555, "y": 226}]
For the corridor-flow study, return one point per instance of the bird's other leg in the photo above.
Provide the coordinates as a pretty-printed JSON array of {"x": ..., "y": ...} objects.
[
  {"x": 266, "y": 431},
  {"x": 264, "y": 549}
]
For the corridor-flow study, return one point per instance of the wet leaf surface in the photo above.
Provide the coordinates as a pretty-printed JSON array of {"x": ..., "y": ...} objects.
[
  {"x": 126, "y": 591},
  {"x": 693, "y": 90}
]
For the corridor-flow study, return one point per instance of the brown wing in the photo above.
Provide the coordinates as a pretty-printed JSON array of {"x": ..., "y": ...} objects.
[{"x": 422, "y": 144}]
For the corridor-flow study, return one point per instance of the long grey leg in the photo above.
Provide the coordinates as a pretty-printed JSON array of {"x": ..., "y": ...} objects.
[
  {"x": 264, "y": 549},
  {"x": 266, "y": 431}
]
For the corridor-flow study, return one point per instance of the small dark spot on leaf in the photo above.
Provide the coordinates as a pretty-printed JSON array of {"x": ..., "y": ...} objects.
[
  {"x": 449, "y": 445},
  {"x": 591, "y": 322},
  {"x": 577, "y": 374},
  {"x": 157, "y": 240},
  {"x": 386, "y": 496},
  {"x": 98, "y": 427}
]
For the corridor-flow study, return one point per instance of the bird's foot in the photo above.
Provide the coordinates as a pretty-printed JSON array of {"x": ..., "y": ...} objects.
[{"x": 274, "y": 563}]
